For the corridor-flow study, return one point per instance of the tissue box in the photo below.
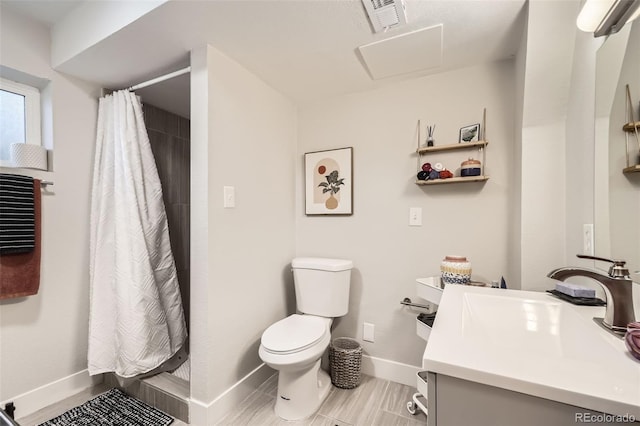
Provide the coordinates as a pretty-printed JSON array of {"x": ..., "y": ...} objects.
[{"x": 575, "y": 290}]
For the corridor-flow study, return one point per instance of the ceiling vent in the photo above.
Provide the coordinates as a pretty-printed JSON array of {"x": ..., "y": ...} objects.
[{"x": 384, "y": 14}]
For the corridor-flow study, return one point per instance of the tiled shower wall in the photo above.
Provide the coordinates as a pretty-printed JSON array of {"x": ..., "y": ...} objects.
[{"x": 169, "y": 135}]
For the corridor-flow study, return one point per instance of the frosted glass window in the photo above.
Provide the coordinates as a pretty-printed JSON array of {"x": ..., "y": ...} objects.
[
  {"x": 12, "y": 121},
  {"x": 19, "y": 117}
]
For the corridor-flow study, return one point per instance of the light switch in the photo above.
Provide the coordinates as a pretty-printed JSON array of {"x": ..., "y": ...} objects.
[
  {"x": 415, "y": 216},
  {"x": 587, "y": 239},
  {"x": 229, "y": 197}
]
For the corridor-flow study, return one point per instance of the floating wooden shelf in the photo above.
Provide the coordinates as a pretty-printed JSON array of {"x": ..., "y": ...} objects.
[
  {"x": 462, "y": 145},
  {"x": 453, "y": 180},
  {"x": 631, "y": 127},
  {"x": 632, "y": 169},
  {"x": 479, "y": 145}
]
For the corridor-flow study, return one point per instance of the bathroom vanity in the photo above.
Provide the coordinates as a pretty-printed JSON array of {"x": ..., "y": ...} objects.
[{"x": 507, "y": 357}]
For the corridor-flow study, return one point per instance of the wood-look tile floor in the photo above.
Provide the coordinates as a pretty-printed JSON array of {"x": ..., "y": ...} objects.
[{"x": 375, "y": 402}]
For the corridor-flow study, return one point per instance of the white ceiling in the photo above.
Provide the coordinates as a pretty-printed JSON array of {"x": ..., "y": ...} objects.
[
  {"x": 47, "y": 12},
  {"x": 306, "y": 49}
]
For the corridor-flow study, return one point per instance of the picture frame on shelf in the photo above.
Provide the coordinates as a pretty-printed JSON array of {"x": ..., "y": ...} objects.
[
  {"x": 328, "y": 183},
  {"x": 469, "y": 133}
]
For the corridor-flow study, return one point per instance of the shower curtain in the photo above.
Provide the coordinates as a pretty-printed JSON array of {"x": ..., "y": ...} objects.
[{"x": 136, "y": 321}]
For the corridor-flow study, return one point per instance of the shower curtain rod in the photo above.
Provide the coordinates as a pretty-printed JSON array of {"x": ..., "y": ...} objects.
[{"x": 159, "y": 79}]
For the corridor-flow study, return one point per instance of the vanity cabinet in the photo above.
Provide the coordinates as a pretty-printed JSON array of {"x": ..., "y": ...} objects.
[
  {"x": 454, "y": 402},
  {"x": 510, "y": 357},
  {"x": 425, "y": 153}
]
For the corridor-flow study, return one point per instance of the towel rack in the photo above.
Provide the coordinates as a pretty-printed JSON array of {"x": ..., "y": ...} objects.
[{"x": 406, "y": 301}]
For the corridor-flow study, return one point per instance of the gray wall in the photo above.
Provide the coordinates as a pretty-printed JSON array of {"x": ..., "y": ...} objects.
[{"x": 169, "y": 136}]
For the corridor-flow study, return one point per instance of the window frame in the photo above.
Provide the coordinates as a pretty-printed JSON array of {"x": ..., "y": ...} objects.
[{"x": 33, "y": 134}]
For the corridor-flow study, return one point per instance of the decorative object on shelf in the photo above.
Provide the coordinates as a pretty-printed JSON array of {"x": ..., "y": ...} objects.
[
  {"x": 455, "y": 270},
  {"x": 632, "y": 127},
  {"x": 469, "y": 133},
  {"x": 445, "y": 174},
  {"x": 329, "y": 182},
  {"x": 470, "y": 167},
  {"x": 430, "y": 131},
  {"x": 422, "y": 175}
]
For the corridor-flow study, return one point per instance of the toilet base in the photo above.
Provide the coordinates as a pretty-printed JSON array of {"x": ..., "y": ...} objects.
[{"x": 301, "y": 392}]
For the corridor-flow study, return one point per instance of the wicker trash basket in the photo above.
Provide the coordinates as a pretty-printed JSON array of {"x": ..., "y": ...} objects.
[{"x": 345, "y": 358}]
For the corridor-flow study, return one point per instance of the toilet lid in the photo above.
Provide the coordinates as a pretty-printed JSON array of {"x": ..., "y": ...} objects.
[{"x": 294, "y": 333}]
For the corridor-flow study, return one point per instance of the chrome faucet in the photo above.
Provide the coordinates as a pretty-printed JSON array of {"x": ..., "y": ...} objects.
[{"x": 617, "y": 285}]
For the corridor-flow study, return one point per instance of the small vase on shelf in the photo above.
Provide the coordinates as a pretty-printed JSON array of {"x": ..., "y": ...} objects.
[{"x": 430, "y": 130}]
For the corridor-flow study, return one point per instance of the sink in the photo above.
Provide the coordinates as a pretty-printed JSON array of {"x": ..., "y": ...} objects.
[
  {"x": 518, "y": 324},
  {"x": 494, "y": 314},
  {"x": 533, "y": 343}
]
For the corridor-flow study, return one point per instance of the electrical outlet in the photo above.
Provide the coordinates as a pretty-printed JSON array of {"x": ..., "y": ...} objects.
[
  {"x": 587, "y": 239},
  {"x": 368, "y": 332},
  {"x": 229, "y": 197},
  {"x": 415, "y": 216}
]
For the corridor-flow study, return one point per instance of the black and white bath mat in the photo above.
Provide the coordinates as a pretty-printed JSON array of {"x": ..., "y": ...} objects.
[{"x": 112, "y": 408}]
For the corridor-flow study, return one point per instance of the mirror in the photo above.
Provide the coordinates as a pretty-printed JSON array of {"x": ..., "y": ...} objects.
[{"x": 617, "y": 194}]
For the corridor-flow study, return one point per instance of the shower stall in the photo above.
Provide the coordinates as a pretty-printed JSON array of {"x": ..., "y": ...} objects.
[{"x": 168, "y": 386}]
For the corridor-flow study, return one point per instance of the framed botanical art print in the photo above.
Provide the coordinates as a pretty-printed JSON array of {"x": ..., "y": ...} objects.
[{"x": 328, "y": 179}]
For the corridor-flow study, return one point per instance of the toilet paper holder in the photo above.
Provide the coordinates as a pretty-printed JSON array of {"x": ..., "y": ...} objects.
[{"x": 407, "y": 302}]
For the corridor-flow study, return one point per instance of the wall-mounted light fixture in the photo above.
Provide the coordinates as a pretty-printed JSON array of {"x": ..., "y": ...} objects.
[{"x": 604, "y": 17}]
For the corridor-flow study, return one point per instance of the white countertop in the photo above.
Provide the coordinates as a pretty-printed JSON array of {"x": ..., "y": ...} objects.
[{"x": 533, "y": 343}]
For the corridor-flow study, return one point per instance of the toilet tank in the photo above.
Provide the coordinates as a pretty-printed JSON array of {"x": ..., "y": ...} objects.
[{"x": 322, "y": 285}]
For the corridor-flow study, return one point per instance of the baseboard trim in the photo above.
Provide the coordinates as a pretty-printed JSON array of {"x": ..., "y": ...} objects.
[
  {"x": 201, "y": 413},
  {"x": 36, "y": 399},
  {"x": 390, "y": 370}
]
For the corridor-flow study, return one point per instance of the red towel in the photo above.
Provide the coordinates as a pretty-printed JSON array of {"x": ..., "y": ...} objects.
[{"x": 20, "y": 273}]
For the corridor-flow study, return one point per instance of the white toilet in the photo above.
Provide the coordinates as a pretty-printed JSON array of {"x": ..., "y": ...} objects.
[{"x": 295, "y": 344}]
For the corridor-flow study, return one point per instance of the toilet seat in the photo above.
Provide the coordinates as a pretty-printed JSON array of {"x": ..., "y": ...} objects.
[{"x": 294, "y": 333}]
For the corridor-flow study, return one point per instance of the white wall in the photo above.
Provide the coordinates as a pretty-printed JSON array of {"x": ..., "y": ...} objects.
[
  {"x": 515, "y": 225},
  {"x": 543, "y": 203},
  {"x": 243, "y": 135},
  {"x": 91, "y": 22},
  {"x": 43, "y": 338},
  {"x": 468, "y": 219},
  {"x": 549, "y": 57}
]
